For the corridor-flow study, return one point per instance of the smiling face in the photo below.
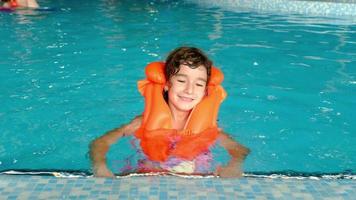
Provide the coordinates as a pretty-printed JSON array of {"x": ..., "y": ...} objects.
[{"x": 186, "y": 88}]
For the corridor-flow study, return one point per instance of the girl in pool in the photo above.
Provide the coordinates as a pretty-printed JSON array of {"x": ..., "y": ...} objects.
[
  {"x": 179, "y": 123},
  {"x": 19, "y": 3}
]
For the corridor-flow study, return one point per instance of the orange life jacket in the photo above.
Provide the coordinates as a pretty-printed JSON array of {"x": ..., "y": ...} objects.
[{"x": 156, "y": 133}]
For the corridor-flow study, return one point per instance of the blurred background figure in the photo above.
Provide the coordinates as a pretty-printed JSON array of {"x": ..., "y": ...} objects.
[{"x": 19, "y": 3}]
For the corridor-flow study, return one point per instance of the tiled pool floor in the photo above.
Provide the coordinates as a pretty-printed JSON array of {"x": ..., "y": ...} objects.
[{"x": 169, "y": 187}]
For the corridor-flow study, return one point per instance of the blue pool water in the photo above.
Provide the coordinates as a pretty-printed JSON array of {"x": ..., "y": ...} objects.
[{"x": 69, "y": 74}]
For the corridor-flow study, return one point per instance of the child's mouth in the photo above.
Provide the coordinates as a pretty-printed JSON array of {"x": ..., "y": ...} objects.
[{"x": 186, "y": 99}]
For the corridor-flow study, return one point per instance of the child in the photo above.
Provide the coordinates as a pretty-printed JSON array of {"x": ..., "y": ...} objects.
[
  {"x": 19, "y": 3},
  {"x": 179, "y": 121}
]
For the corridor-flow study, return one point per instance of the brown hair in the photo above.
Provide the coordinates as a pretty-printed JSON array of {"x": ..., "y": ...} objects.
[{"x": 190, "y": 56}]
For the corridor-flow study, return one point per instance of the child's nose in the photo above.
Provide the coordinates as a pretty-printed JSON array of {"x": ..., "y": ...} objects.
[{"x": 190, "y": 88}]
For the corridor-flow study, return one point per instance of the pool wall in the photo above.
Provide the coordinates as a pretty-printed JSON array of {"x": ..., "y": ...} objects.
[
  {"x": 169, "y": 187},
  {"x": 318, "y": 8}
]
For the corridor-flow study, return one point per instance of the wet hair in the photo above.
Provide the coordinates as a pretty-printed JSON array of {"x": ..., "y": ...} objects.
[
  {"x": 190, "y": 56},
  {"x": 5, "y": 1}
]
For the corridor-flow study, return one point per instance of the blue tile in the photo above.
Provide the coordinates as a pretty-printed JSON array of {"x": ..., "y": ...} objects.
[
  {"x": 270, "y": 197},
  {"x": 256, "y": 188},
  {"x": 219, "y": 188},
  {"x": 12, "y": 184},
  {"x": 163, "y": 195},
  {"x": 250, "y": 194},
  {"x": 143, "y": 197},
  {"x": 344, "y": 194},
  {"x": 105, "y": 192}
]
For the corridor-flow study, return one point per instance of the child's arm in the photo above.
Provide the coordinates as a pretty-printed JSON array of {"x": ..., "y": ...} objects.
[
  {"x": 238, "y": 153},
  {"x": 100, "y": 146}
]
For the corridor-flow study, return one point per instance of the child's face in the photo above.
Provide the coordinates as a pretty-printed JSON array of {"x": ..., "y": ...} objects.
[{"x": 187, "y": 88}]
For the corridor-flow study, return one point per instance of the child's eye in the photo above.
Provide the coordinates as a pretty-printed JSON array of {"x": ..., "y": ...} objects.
[
  {"x": 181, "y": 81},
  {"x": 199, "y": 85}
]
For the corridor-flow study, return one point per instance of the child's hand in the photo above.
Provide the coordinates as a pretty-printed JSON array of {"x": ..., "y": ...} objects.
[
  {"x": 228, "y": 171},
  {"x": 103, "y": 171}
]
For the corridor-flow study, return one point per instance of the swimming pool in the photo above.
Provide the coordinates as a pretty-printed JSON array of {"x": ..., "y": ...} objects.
[{"x": 69, "y": 75}]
